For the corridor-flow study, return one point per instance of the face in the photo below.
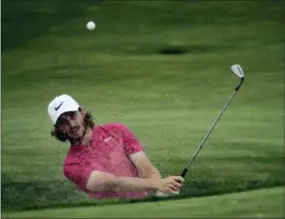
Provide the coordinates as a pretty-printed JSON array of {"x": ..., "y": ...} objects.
[{"x": 72, "y": 124}]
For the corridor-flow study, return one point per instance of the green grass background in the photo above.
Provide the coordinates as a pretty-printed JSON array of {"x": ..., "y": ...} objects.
[{"x": 169, "y": 101}]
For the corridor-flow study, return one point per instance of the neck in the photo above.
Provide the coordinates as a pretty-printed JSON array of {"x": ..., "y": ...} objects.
[{"x": 86, "y": 138}]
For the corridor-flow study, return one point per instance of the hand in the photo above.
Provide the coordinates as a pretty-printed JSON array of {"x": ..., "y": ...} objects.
[{"x": 169, "y": 185}]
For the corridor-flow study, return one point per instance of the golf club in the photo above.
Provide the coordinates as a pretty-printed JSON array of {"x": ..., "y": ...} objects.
[{"x": 237, "y": 70}]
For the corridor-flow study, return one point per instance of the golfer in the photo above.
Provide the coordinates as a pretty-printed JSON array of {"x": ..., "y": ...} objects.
[{"x": 105, "y": 161}]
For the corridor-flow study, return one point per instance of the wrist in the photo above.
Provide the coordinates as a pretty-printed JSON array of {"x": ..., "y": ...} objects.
[{"x": 153, "y": 184}]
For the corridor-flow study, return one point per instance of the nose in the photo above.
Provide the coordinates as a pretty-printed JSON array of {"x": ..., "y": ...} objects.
[{"x": 72, "y": 123}]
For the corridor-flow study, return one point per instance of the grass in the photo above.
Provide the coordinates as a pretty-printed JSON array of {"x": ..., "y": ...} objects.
[
  {"x": 263, "y": 203},
  {"x": 169, "y": 101}
]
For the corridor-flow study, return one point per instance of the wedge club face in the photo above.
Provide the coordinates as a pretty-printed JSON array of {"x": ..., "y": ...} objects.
[{"x": 237, "y": 70}]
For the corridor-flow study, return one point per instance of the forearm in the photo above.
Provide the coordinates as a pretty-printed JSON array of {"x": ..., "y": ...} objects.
[
  {"x": 155, "y": 174},
  {"x": 150, "y": 173},
  {"x": 131, "y": 184},
  {"x": 145, "y": 167},
  {"x": 105, "y": 182}
]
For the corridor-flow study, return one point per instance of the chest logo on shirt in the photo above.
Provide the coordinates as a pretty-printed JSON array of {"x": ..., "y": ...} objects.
[{"x": 107, "y": 139}]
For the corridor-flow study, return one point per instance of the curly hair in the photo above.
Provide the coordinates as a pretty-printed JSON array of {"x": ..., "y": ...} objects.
[{"x": 88, "y": 122}]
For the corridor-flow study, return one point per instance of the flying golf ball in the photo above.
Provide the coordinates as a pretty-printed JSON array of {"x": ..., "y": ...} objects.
[{"x": 90, "y": 25}]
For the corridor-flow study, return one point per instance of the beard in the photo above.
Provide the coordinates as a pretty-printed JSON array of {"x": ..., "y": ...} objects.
[{"x": 78, "y": 136}]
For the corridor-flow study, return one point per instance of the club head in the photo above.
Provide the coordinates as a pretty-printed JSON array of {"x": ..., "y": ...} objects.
[{"x": 237, "y": 70}]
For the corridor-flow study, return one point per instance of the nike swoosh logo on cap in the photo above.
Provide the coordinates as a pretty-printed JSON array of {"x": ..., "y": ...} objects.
[{"x": 56, "y": 108}]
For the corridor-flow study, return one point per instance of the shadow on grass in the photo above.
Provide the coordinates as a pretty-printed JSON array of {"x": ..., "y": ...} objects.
[
  {"x": 19, "y": 195},
  {"x": 55, "y": 194}
]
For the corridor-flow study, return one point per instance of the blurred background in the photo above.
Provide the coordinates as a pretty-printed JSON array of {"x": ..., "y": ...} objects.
[{"x": 160, "y": 67}]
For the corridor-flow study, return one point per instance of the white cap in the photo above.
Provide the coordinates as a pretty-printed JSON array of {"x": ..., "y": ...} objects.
[{"x": 61, "y": 104}]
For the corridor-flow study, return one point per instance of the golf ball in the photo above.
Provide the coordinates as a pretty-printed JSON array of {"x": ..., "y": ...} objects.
[{"x": 90, "y": 25}]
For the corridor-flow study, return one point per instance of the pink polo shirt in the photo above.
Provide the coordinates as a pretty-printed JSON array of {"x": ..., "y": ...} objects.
[{"x": 109, "y": 152}]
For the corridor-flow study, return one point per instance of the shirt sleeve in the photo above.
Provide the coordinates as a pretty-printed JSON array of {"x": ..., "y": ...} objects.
[
  {"x": 131, "y": 143},
  {"x": 78, "y": 173}
]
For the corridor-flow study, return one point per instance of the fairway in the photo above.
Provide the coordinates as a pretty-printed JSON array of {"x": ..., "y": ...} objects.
[
  {"x": 123, "y": 72},
  {"x": 263, "y": 203}
]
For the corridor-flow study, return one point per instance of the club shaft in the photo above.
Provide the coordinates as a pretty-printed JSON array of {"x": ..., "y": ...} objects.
[{"x": 185, "y": 170}]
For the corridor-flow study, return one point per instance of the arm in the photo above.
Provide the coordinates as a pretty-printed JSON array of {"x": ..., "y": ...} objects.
[
  {"x": 135, "y": 151},
  {"x": 102, "y": 181},
  {"x": 145, "y": 167},
  {"x": 88, "y": 179}
]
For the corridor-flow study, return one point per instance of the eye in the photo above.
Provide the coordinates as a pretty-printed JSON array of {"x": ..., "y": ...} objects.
[
  {"x": 73, "y": 115},
  {"x": 62, "y": 123}
]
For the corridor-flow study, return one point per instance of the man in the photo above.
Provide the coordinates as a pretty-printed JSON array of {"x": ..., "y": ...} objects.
[{"x": 105, "y": 161}]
